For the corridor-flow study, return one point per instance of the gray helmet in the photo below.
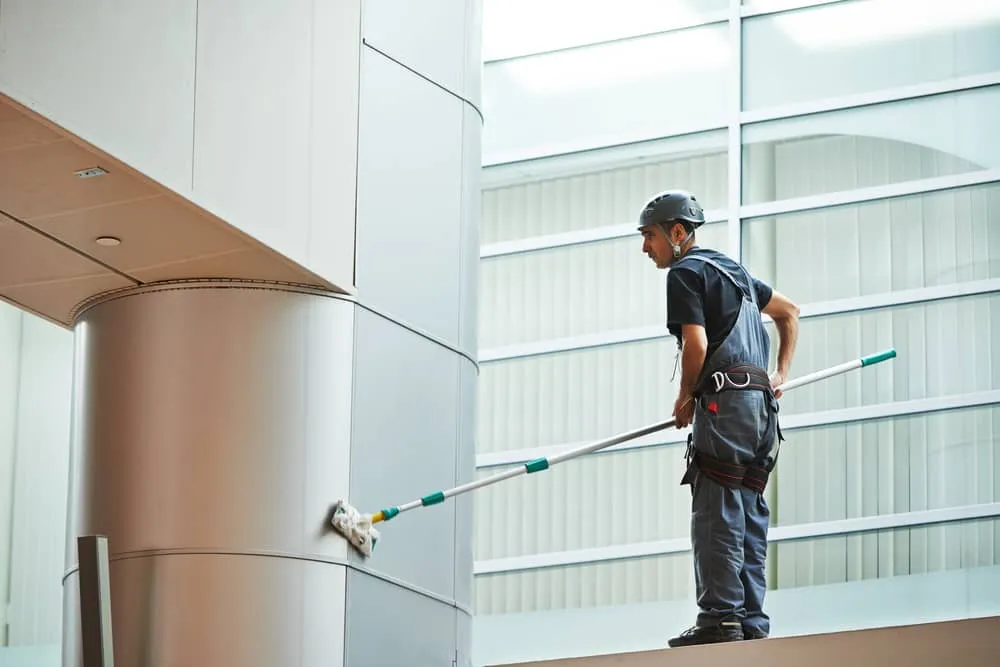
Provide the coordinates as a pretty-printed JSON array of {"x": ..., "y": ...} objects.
[{"x": 673, "y": 206}]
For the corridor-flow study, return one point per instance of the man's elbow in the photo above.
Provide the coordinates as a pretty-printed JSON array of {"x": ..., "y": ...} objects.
[
  {"x": 791, "y": 313},
  {"x": 782, "y": 309}
]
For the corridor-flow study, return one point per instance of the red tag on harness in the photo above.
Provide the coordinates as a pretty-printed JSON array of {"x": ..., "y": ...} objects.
[{"x": 713, "y": 408}]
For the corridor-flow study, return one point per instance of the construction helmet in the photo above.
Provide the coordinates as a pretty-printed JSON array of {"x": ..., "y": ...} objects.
[{"x": 673, "y": 206}]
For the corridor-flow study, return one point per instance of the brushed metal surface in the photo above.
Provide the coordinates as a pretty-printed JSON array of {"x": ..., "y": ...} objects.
[
  {"x": 388, "y": 628},
  {"x": 216, "y": 420},
  {"x": 405, "y": 433},
  {"x": 212, "y": 418},
  {"x": 208, "y": 610}
]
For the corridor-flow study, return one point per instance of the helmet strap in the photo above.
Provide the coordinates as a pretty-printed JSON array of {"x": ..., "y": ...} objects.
[{"x": 676, "y": 247}]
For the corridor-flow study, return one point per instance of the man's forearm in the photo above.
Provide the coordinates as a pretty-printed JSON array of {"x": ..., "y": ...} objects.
[
  {"x": 788, "y": 335},
  {"x": 693, "y": 355}
]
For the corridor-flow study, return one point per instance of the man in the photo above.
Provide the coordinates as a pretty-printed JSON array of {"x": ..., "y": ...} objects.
[{"x": 714, "y": 310}]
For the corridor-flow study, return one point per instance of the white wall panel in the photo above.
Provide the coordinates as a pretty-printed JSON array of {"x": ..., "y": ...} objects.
[
  {"x": 41, "y": 476},
  {"x": 410, "y": 183},
  {"x": 600, "y": 198},
  {"x": 276, "y": 124},
  {"x": 336, "y": 66},
  {"x": 472, "y": 206},
  {"x": 428, "y": 36},
  {"x": 252, "y": 119},
  {"x": 119, "y": 74}
]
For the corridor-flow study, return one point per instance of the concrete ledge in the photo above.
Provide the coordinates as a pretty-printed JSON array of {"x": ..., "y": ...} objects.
[{"x": 968, "y": 643}]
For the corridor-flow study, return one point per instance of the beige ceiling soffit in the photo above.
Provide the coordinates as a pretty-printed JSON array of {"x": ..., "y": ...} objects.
[
  {"x": 36, "y": 313},
  {"x": 111, "y": 163},
  {"x": 48, "y": 237}
]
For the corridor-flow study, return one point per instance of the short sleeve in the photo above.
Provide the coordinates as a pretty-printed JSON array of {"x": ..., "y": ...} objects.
[
  {"x": 764, "y": 292},
  {"x": 685, "y": 303}
]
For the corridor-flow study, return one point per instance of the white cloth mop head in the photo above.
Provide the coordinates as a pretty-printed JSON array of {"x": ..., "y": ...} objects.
[{"x": 355, "y": 526}]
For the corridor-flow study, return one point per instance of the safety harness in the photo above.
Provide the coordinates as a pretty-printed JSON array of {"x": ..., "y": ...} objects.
[{"x": 732, "y": 475}]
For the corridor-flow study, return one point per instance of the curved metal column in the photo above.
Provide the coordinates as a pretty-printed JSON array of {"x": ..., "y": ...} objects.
[{"x": 214, "y": 423}]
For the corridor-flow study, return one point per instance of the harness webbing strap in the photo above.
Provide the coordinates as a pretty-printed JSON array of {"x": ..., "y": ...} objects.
[
  {"x": 735, "y": 377},
  {"x": 733, "y": 475}
]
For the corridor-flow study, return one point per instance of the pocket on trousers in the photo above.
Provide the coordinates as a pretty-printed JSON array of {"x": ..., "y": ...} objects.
[{"x": 731, "y": 424}]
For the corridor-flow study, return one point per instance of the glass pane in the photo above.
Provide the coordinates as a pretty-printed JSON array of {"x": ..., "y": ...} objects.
[
  {"x": 628, "y": 480},
  {"x": 605, "y": 95},
  {"x": 870, "y": 146},
  {"x": 609, "y": 193},
  {"x": 575, "y": 290},
  {"x": 655, "y": 579},
  {"x": 926, "y": 240},
  {"x": 844, "y": 471},
  {"x": 570, "y": 397},
  {"x": 863, "y": 46},
  {"x": 945, "y": 348},
  {"x": 516, "y": 27}
]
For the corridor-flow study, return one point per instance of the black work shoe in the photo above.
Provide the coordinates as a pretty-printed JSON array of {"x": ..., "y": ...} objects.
[
  {"x": 726, "y": 631},
  {"x": 749, "y": 634}
]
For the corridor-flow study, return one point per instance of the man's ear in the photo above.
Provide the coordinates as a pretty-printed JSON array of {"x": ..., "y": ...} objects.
[{"x": 677, "y": 233}]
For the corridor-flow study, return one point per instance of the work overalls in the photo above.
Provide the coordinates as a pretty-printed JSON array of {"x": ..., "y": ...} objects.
[{"x": 729, "y": 460}]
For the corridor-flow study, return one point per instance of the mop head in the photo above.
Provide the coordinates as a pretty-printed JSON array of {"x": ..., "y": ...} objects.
[{"x": 354, "y": 526}]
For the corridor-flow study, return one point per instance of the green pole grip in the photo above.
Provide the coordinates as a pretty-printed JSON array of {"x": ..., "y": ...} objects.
[
  {"x": 432, "y": 498},
  {"x": 879, "y": 357},
  {"x": 537, "y": 465}
]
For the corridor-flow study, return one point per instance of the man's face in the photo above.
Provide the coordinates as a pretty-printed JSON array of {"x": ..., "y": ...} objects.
[{"x": 656, "y": 245}]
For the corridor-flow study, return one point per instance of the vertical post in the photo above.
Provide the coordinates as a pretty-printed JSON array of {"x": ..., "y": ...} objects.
[
  {"x": 735, "y": 111},
  {"x": 95, "y": 601}
]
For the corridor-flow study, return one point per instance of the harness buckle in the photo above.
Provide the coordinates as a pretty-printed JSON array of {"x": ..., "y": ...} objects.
[{"x": 722, "y": 378}]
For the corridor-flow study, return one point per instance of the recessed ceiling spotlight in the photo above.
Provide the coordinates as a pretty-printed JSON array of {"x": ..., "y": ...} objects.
[
  {"x": 108, "y": 240},
  {"x": 90, "y": 173}
]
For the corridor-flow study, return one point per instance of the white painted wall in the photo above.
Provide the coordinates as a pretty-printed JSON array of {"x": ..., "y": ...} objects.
[
  {"x": 249, "y": 109},
  {"x": 36, "y": 369}
]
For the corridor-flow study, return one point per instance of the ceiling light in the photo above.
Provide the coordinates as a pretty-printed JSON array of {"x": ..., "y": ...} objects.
[
  {"x": 90, "y": 173},
  {"x": 109, "y": 241}
]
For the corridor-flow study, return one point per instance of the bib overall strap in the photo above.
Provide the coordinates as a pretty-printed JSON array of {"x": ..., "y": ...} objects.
[{"x": 752, "y": 292}]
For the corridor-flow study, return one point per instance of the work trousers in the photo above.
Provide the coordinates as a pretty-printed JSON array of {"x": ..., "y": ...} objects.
[{"x": 729, "y": 525}]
